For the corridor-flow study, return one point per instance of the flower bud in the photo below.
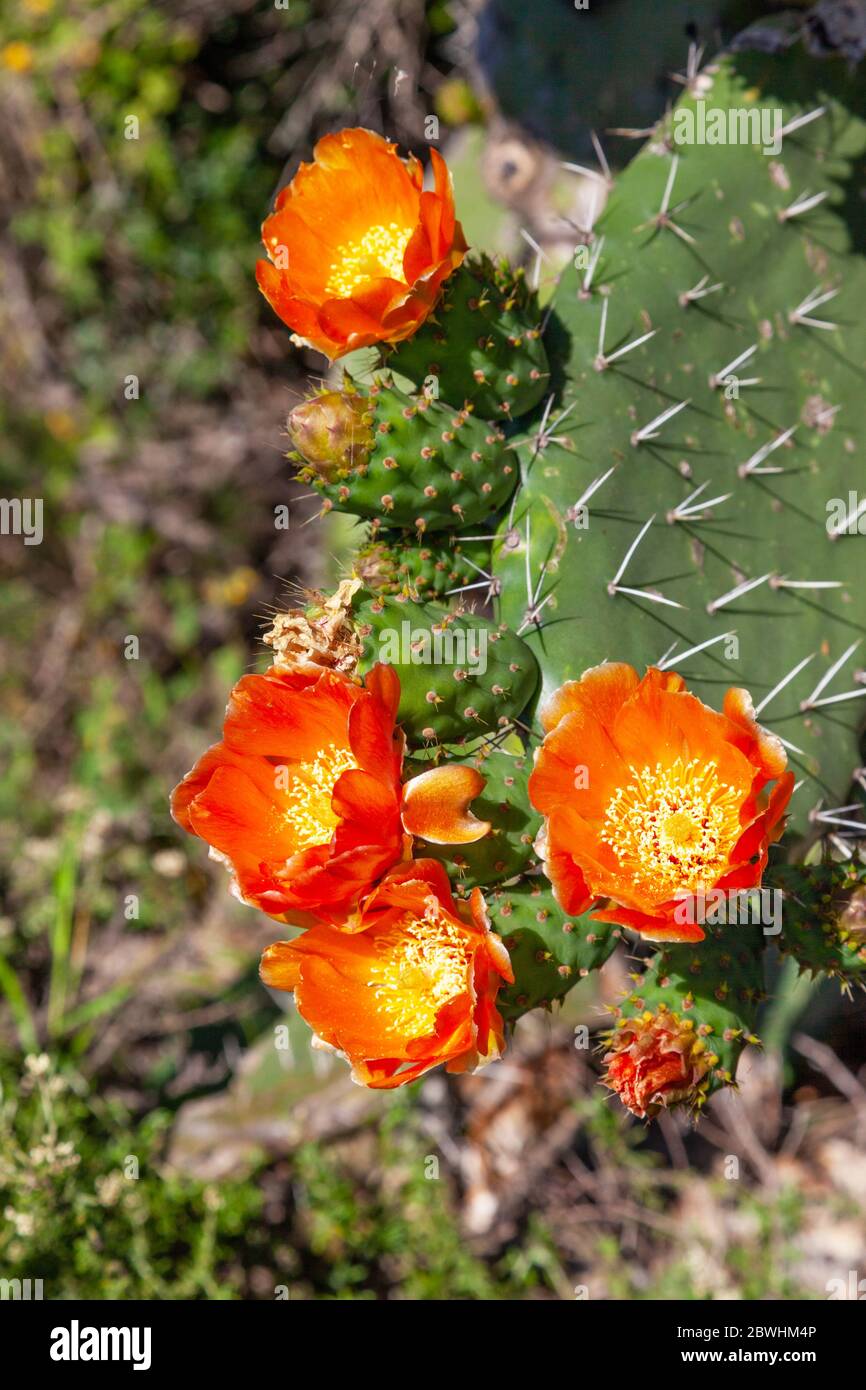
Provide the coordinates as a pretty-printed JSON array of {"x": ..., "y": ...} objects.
[
  {"x": 656, "y": 1061},
  {"x": 332, "y": 433}
]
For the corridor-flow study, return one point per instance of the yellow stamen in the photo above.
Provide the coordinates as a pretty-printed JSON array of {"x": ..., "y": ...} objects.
[
  {"x": 378, "y": 253},
  {"x": 673, "y": 828},
  {"x": 424, "y": 964},
  {"x": 310, "y": 789}
]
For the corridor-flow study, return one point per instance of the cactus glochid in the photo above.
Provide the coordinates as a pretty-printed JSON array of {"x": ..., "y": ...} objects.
[{"x": 652, "y": 477}]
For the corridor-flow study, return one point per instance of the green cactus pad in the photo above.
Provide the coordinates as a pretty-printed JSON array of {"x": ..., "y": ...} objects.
[
  {"x": 824, "y": 919},
  {"x": 429, "y": 467},
  {"x": 395, "y": 562},
  {"x": 459, "y": 673},
  {"x": 549, "y": 951},
  {"x": 483, "y": 345},
  {"x": 707, "y": 266}
]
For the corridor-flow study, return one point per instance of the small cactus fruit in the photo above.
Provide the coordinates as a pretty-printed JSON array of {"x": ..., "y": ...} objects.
[
  {"x": 824, "y": 919},
  {"x": 394, "y": 562},
  {"x": 459, "y": 673},
  {"x": 401, "y": 460},
  {"x": 504, "y": 803},
  {"x": 549, "y": 951},
  {"x": 483, "y": 345},
  {"x": 680, "y": 1033}
]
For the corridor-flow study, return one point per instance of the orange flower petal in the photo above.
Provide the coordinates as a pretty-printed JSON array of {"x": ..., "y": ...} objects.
[
  {"x": 235, "y": 817},
  {"x": 602, "y": 690},
  {"x": 358, "y": 321},
  {"x": 414, "y": 989},
  {"x": 405, "y": 886},
  {"x": 436, "y": 805},
  {"x": 580, "y": 763},
  {"x": 671, "y": 801},
  {"x": 758, "y": 744},
  {"x": 659, "y": 726},
  {"x": 280, "y": 966},
  {"x": 272, "y": 718},
  {"x": 383, "y": 683},
  {"x": 195, "y": 782},
  {"x": 499, "y": 958},
  {"x": 359, "y": 250},
  {"x": 653, "y": 928},
  {"x": 303, "y": 796},
  {"x": 372, "y": 738},
  {"x": 362, "y": 797},
  {"x": 298, "y": 313}
]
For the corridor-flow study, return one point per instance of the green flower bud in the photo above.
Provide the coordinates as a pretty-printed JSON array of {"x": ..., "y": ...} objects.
[{"x": 332, "y": 433}]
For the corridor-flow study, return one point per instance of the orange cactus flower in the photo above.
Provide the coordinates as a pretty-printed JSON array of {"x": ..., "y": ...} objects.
[
  {"x": 358, "y": 251},
  {"x": 657, "y": 1061},
  {"x": 650, "y": 797},
  {"x": 303, "y": 797},
  {"x": 415, "y": 987}
]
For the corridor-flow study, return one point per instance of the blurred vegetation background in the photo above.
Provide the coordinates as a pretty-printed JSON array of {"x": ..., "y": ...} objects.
[{"x": 160, "y": 1136}]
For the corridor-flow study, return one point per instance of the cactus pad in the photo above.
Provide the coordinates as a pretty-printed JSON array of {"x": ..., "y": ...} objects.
[
  {"x": 714, "y": 392},
  {"x": 549, "y": 951},
  {"x": 483, "y": 346},
  {"x": 460, "y": 674}
]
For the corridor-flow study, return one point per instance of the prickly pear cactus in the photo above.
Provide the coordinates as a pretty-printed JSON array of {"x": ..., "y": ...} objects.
[
  {"x": 550, "y": 951},
  {"x": 677, "y": 498},
  {"x": 402, "y": 460},
  {"x": 396, "y": 562},
  {"x": 825, "y": 920},
  {"x": 662, "y": 480},
  {"x": 460, "y": 674},
  {"x": 483, "y": 348}
]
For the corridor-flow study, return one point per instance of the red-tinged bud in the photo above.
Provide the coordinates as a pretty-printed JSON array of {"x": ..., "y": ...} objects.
[{"x": 657, "y": 1061}]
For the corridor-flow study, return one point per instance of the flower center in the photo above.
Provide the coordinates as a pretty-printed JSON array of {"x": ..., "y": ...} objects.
[
  {"x": 309, "y": 793},
  {"x": 423, "y": 965},
  {"x": 673, "y": 828},
  {"x": 378, "y": 253}
]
